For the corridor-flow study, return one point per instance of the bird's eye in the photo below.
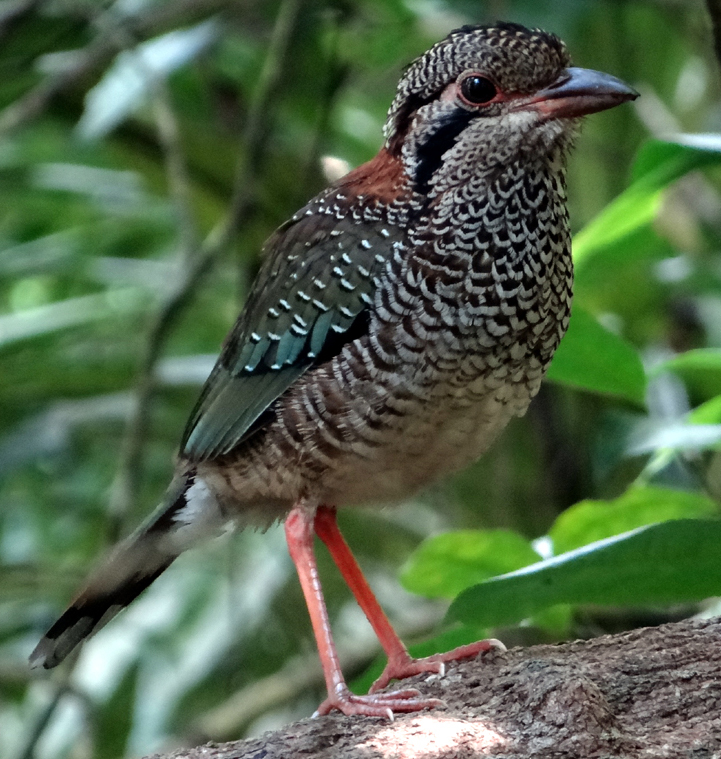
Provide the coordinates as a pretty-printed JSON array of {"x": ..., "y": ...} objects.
[{"x": 478, "y": 90}]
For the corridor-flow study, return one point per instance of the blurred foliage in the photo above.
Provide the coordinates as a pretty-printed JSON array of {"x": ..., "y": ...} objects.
[{"x": 128, "y": 130}]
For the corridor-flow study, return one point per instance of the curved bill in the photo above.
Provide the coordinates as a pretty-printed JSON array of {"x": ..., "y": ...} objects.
[{"x": 578, "y": 92}]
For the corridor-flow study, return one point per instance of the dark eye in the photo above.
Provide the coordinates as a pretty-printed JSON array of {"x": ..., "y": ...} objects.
[{"x": 477, "y": 89}]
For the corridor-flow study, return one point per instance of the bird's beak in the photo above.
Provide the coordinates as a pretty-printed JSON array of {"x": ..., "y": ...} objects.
[{"x": 578, "y": 92}]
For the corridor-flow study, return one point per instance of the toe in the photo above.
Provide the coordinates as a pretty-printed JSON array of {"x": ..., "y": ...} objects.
[{"x": 383, "y": 705}]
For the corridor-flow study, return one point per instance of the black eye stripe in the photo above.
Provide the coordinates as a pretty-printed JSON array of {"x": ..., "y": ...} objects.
[
  {"x": 430, "y": 152},
  {"x": 478, "y": 89}
]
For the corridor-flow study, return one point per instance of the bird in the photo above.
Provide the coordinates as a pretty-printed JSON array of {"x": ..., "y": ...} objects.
[{"x": 398, "y": 322}]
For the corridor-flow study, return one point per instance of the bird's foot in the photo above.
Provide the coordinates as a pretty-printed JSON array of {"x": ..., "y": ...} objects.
[
  {"x": 377, "y": 705},
  {"x": 403, "y": 665}
]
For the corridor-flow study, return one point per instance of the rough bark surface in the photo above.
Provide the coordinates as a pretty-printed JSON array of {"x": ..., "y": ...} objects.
[{"x": 651, "y": 693}]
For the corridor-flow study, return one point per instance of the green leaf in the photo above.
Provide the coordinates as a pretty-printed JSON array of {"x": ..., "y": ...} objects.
[
  {"x": 606, "y": 279},
  {"x": 555, "y": 620},
  {"x": 704, "y": 359},
  {"x": 659, "y": 163},
  {"x": 124, "y": 86},
  {"x": 444, "y": 565},
  {"x": 707, "y": 413},
  {"x": 663, "y": 563},
  {"x": 72, "y": 312},
  {"x": 590, "y": 521},
  {"x": 592, "y": 358},
  {"x": 655, "y": 436},
  {"x": 663, "y": 161},
  {"x": 700, "y": 369}
]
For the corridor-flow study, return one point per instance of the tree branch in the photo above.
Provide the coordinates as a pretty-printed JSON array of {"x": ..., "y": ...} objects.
[
  {"x": 299, "y": 675},
  {"x": 645, "y": 694}
]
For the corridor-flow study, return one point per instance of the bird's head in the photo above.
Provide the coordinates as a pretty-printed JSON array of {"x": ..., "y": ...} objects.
[{"x": 492, "y": 95}]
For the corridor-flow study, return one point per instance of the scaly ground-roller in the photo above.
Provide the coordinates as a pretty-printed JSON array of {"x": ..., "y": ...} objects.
[{"x": 399, "y": 320}]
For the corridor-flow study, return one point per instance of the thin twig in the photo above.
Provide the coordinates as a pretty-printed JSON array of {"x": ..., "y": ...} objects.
[
  {"x": 714, "y": 10},
  {"x": 256, "y": 129},
  {"x": 196, "y": 267},
  {"x": 126, "y": 484},
  {"x": 15, "y": 14},
  {"x": 179, "y": 185},
  {"x": 42, "y": 720},
  {"x": 127, "y": 481},
  {"x": 337, "y": 73},
  {"x": 168, "y": 132}
]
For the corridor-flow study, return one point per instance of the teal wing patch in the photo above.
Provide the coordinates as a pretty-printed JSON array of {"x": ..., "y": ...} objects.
[{"x": 312, "y": 294}]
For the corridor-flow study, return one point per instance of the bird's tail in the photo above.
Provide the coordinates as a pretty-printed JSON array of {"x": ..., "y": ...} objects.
[{"x": 187, "y": 513}]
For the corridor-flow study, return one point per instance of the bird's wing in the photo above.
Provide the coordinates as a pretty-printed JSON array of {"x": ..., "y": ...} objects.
[{"x": 311, "y": 296}]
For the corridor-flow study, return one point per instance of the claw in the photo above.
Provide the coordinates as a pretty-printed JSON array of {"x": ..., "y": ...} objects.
[
  {"x": 380, "y": 705},
  {"x": 400, "y": 664},
  {"x": 403, "y": 666},
  {"x": 495, "y": 643}
]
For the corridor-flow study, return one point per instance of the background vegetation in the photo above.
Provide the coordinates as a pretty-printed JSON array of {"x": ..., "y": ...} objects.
[{"x": 147, "y": 149}]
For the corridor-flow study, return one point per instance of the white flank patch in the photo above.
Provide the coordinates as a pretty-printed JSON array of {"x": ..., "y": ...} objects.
[{"x": 200, "y": 518}]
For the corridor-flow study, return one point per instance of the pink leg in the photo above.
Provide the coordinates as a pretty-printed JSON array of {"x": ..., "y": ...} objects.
[
  {"x": 299, "y": 535},
  {"x": 400, "y": 663}
]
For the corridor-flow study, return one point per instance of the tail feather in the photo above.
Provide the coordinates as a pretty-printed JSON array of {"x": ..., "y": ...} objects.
[
  {"x": 187, "y": 513},
  {"x": 89, "y": 612}
]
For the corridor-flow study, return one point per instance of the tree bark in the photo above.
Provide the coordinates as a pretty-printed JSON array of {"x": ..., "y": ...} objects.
[{"x": 646, "y": 694}]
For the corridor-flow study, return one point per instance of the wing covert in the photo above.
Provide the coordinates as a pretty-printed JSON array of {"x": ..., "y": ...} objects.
[{"x": 317, "y": 281}]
